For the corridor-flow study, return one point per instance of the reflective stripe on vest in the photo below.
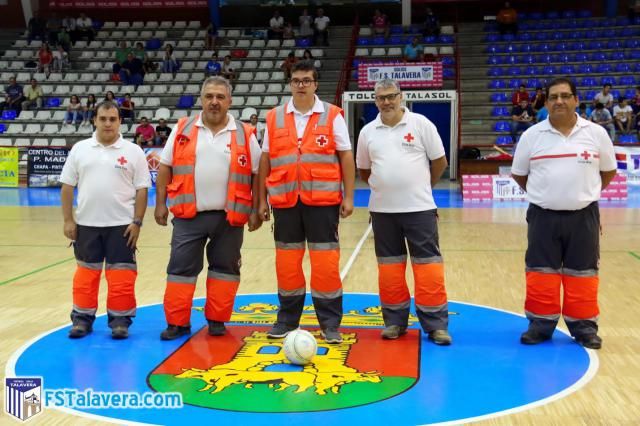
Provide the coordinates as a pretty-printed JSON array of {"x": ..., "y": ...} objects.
[{"x": 307, "y": 168}]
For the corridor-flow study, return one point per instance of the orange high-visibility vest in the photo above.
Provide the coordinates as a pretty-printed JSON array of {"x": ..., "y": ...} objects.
[
  {"x": 181, "y": 192},
  {"x": 308, "y": 168}
]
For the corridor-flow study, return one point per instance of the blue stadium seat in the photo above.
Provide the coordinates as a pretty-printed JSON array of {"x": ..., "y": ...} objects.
[
  {"x": 603, "y": 68},
  {"x": 589, "y": 23},
  {"x": 545, "y": 58},
  {"x": 618, "y": 55},
  {"x": 615, "y": 93},
  {"x": 528, "y": 59},
  {"x": 448, "y": 60},
  {"x": 53, "y": 102},
  {"x": 495, "y": 72},
  {"x": 511, "y": 48},
  {"x": 630, "y": 93},
  {"x": 499, "y": 97},
  {"x": 515, "y": 83},
  {"x": 608, "y": 33},
  {"x": 590, "y": 94},
  {"x": 562, "y": 46},
  {"x": 634, "y": 54},
  {"x": 531, "y": 70},
  {"x": 607, "y": 79},
  {"x": 622, "y": 21},
  {"x": 631, "y": 43},
  {"x": 608, "y": 22},
  {"x": 553, "y": 14},
  {"x": 415, "y": 29},
  {"x": 497, "y": 84},
  {"x": 577, "y": 35},
  {"x": 534, "y": 82},
  {"x": 508, "y": 37},
  {"x": 569, "y": 14},
  {"x": 577, "y": 45},
  {"x": 588, "y": 82},
  {"x": 544, "y": 25},
  {"x": 502, "y": 126},
  {"x": 585, "y": 68},
  {"x": 558, "y": 35},
  {"x": 567, "y": 69},
  {"x": 622, "y": 67},
  {"x": 627, "y": 80},
  {"x": 629, "y": 32},
  {"x": 572, "y": 23},
  {"x": 430, "y": 39},
  {"x": 524, "y": 36},
  {"x": 495, "y": 48},
  {"x": 494, "y": 60},
  {"x": 581, "y": 57},
  {"x": 496, "y": 111},
  {"x": 514, "y": 71},
  {"x": 185, "y": 101},
  {"x": 595, "y": 45},
  {"x": 565, "y": 58},
  {"x": 362, "y": 41},
  {"x": 378, "y": 41},
  {"x": 448, "y": 72},
  {"x": 396, "y": 39},
  {"x": 614, "y": 44},
  {"x": 396, "y": 29},
  {"x": 584, "y": 14},
  {"x": 492, "y": 38},
  {"x": 636, "y": 20},
  {"x": 511, "y": 59},
  {"x": 303, "y": 42},
  {"x": 544, "y": 47},
  {"x": 557, "y": 25},
  {"x": 9, "y": 114},
  {"x": 3, "y": 128},
  {"x": 542, "y": 36},
  {"x": 598, "y": 56},
  {"x": 446, "y": 39},
  {"x": 504, "y": 140},
  {"x": 549, "y": 69}
]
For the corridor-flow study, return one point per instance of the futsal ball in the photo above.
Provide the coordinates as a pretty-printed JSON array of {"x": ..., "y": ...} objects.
[{"x": 299, "y": 347}]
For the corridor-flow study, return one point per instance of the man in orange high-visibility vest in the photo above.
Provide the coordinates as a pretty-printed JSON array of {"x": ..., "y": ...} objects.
[
  {"x": 306, "y": 160},
  {"x": 401, "y": 156},
  {"x": 206, "y": 174}
]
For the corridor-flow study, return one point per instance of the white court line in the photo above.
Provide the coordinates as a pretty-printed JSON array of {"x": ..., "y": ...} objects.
[{"x": 352, "y": 259}]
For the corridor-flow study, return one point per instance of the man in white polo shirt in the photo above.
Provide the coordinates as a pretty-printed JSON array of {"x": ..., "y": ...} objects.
[
  {"x": 563, "y": 163},
  {"x": 401, "y": 156},
  {"x": 206, "y": 174},
  {"x": 112, "y": 177}
]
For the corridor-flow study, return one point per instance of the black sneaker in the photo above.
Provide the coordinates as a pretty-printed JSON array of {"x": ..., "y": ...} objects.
[
  {"x": 119, "y": 332},
  {"x": 217, "y": 328},
  {"x": 280, "y": 330},
  {"x": 532, "y": 337},
  {"x": 590, "y": 341},
  {"x": 174, "y": 331},
  {"x": 80, "y": 330},
  {"x": 331, "y": 335}
]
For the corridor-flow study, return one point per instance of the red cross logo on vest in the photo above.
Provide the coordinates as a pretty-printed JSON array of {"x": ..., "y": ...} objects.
[
  {"x": 585, "y": 155},
  {"x": 321, "y": 141},
  {"x": 409, "y": 138},
  {"x": 242, "y": 160},
  {"x": 122, "y": 161}
]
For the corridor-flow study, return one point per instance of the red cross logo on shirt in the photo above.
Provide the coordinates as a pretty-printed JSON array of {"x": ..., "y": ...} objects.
[
  {"x": 409, "y": 138},
  {"x": 229, "y": 145},
  {"x": 585, "y": 155},
  {"x": 321, "y": 141},
  {"x": 122, "y": 161},
  {"x": 242, "y": 160}
]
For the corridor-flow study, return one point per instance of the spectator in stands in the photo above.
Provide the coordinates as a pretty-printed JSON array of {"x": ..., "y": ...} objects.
[
  {"x": 60, "y": 59},
  {"x": 69, "y": 24},
  {"x": 602, "y": 116},
  {"x": 45, "y": 59},
  {"x": 276, "y": 26},
  {"x": 635, "y": 103},
  {"x": 431, "y": 24},
  {"x": 380, "y": 23},
  {"x": 321, "y": 28},
  {"x": 213, "y": 67},
  {"x": 121, "y": 56},
  {"x": 127, "y": 108},
  {"x": 584, "y": 111},
  {"x": 287, "y": 32},
  {"x": 286, "y": 65},
  {"x": 412, "y": 51},
  {"x": 211, "y": 36},
  {"x": 84, "y": 27},
  {"x": 605, "y": 97},
  {"x": 64, "y": 39},
  {"x": 36, "y": 27},
  {"x": 538, "y": 100},
  {"x": 542, "y": 114},
  {"x": 259, "y": 126},
  {"x": 132, "y": 71},
  {"x": 147, "y": 64},
  {"x": 74, "y": 111},
  {"x": 521, "y": 118},
  {"x": 169, "y": 62},
  {"x": 110, "y": 96},
  {"x": 14, "y": 96},
  {"x": 33, "y": 95},
  {"x": 622, "y": 114},
  {"x": 145, "y": 133},
  {"x": 305, "y": 21},
  {"x": 162, "y": 132},
  {"x": 507, "y": 19},
  {"x": 53, "y": 26},
  {"x": 308, "y": 56},
  {"x": 227, "y": 70},
  {"x": 520, "y": 95},
  {"x": 89, "y": 110}
]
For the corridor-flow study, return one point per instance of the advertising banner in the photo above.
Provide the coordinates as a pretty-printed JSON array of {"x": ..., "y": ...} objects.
[{"x": 44, "y": 166}]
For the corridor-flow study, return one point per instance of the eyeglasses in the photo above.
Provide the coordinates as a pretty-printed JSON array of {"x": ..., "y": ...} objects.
[
  {"x": 304, "y": 82},
  {"x": 390, "y": 97},
  {"x": 563, "y": 96}
]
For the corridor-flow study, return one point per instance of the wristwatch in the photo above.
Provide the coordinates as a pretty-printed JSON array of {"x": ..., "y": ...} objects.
[{"x": 137, "y": 222}]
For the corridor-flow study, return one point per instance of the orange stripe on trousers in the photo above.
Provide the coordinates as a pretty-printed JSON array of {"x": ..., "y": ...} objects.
[
  {"x": 86, "y": 283},
  {"x": 429, "y": 278},
  {"x": 178, "y": 299},
  {"x": 580, "y": 297},
  {"x": 121, "y": 294},
  {"x": 220, "y": 297},
  {"x": 325, "y": 270},
  {"x": 289, "y": 269},
  {"x": 543, "y": 293},
  {"x": 392, "y": 283}
]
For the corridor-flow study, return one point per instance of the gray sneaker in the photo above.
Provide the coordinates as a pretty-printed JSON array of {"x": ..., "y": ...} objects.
[
  {"x": 280, "y": 330},
  {"x": 393, "y": 332},
  {"x": 331, "y": 335}
]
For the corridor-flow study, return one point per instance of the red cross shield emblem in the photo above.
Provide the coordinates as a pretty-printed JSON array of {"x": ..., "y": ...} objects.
[
  {"x": 242, "y": 160},
  {"x": 322, "y": 141}
]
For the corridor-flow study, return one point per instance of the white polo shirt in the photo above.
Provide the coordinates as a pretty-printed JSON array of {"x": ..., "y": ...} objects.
[
  {"x": 564, "y": 172},
  {"x": 398, "y": 158},
  {"x": 107, "y": 178},
  {"x": 213, "y": 158},
  {"x": 340, "y": 131}
]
